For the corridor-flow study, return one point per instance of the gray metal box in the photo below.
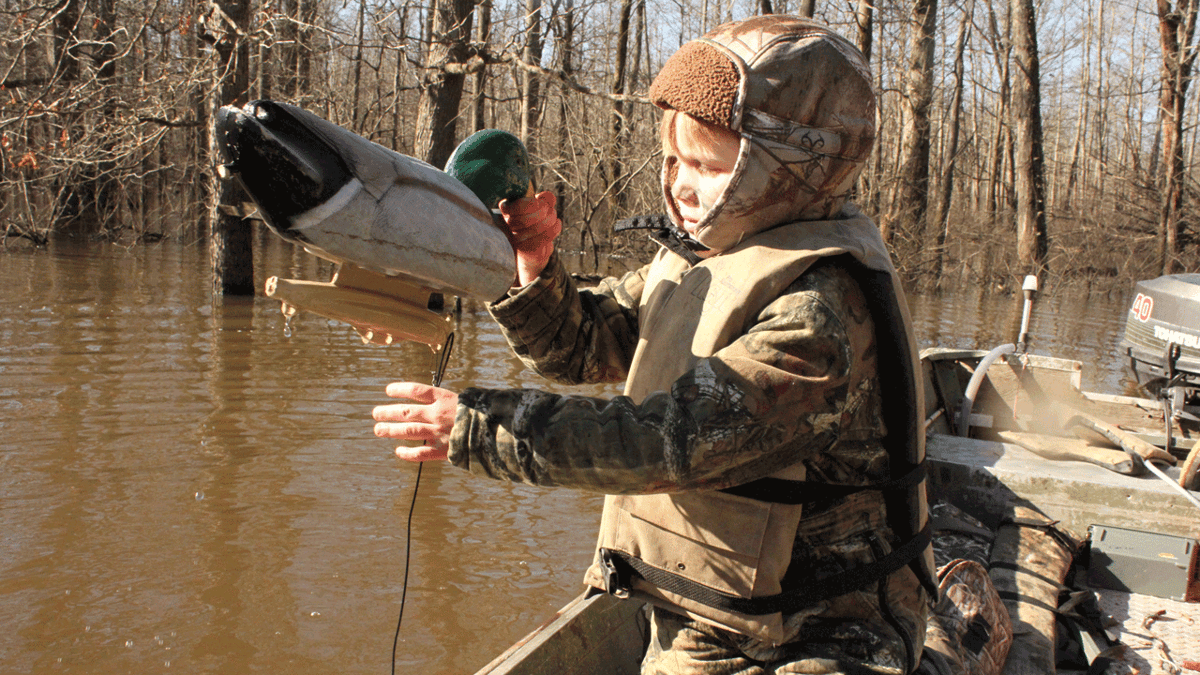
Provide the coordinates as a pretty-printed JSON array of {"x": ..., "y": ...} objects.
[{"x": 1160, "y": 565}]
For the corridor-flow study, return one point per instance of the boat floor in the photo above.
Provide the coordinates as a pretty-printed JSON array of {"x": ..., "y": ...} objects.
[
  {"x": 1030, "y": 393},
  {"x": 1160, "y": 636}
]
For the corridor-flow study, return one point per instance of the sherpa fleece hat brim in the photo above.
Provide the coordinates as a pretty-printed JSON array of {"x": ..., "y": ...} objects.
[{"x": 701, "y": 81}]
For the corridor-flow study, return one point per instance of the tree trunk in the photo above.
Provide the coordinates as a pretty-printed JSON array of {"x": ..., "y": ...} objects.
[
  {"x": 864, "y": 17},
  {"x": 357, "y": 121},
  {"x": 530, "y": 84},
  {"x": 198, "y": 175},
  {"x": 73, "y": 197},
  {"x": 866, "y": 192},
  {"x": 947, "y": 192},
  {"x": 620, "y": 134},
  {"x": 1081, "y": 116},
  {"x": 305, "y": 46},
  {"x": 807, "y": 8},
  {"x": 397, "y": 75},
  {"x": 640, "y": 37},
  {"x": 1028, "y": 162},
  {"x": 66, "y": 42},
  {"x": 1177, "y": 28},
  {"x": 441, "y": 92},
  {"x": 1001, "y": 140},
  {"x": 102, "y": 184},
  {"x": 1100, "y": 116},
  {"x": 483, "y": 29},
  {"x": 913, "y": 197},
  {"x": 566, "y": 53},
  {"x": 230, "y": 244}
]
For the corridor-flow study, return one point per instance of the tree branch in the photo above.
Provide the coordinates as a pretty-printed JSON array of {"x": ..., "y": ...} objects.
[{"x": 484, "y": 58}]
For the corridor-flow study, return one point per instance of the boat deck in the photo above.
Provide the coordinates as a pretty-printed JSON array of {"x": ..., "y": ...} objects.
[
  {"x": 1161, "y": 636},
  {"x": 1025, "y": 450}
]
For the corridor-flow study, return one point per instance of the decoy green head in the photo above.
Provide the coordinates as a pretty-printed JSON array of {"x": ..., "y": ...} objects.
[{"x": 494, "y": 165}]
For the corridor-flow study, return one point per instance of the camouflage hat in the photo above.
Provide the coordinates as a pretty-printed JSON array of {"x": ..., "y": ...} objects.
[{"x": 800, "y": 97}]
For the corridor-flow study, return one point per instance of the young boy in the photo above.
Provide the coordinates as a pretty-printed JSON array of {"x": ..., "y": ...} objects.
[{"x": 764, "y": 466}]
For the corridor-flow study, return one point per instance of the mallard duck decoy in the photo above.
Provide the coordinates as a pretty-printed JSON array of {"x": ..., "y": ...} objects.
[{"x": 401, "y": 229}]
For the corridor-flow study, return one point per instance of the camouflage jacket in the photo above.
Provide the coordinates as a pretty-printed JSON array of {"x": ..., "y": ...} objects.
[
  {"x": 795, "y": 389},
  {"x": 622, "y": 446}
]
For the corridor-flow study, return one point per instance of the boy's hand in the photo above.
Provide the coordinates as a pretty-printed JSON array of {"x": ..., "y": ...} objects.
[
  {"x": 428, "y": 418},
  {"x": 533, "y": 226}
]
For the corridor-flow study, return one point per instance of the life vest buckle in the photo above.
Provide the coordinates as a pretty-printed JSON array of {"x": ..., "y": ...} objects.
[{"x": 615, "y": 572}]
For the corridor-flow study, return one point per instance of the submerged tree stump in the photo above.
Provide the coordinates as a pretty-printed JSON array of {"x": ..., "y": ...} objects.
[{"x": 231, "y": 246}]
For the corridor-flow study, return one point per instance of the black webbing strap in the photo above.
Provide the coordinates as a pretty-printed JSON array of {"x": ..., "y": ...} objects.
[
  {"x": 663, "y": 231},
  {"x": 658, "y": 221},
  {"x": 784, "y": 491},
  {"x": 620, "y": 568},
  {"x": 1050, "y": 527}
]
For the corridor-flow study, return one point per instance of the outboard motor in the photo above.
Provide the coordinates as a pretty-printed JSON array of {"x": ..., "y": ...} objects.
[{"x": 1162, "y": 338}]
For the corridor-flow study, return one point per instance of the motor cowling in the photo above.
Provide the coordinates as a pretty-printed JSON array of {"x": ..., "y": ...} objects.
[{"x": 1162, "y": 334}]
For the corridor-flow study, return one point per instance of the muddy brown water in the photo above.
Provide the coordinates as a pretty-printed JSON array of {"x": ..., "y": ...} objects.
[{"x": 186, "y": 488}]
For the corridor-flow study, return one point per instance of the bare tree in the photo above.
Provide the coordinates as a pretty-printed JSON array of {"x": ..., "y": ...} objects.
[
  {"x": 531, "y": 83},
  {"x": 1083, "y": 115},
  {"x": 230, "y": 245},
  {"x": 106, "y": 104},
  {"x": 441, "y": 91},
  {"x": 620, "y": 129},
  {"x": 565, "y": 36},
  {"x": 66, "y": 40},
  {"x": 947, "y": 187},
  {"x": 864, "y": 19},
  {"x": 305, "y": 44},
  {"x": 1029, "y": 160},
  {"x": 101, "y": 185},
  {"x": 483, "y": 29},
  {"x": 913, "y": 195},
  {"x": 1001, "y": 148},
  {"x": 1177, "y": 28},
  {"x": 357, "y": 122}
]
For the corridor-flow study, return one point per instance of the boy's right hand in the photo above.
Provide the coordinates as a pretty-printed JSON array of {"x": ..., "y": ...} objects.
[{"x": 533, "y": 226}]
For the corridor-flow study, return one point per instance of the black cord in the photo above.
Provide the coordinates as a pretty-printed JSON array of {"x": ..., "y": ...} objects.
[
  {"x": 407, "y": 556},
  {"x": 442, "y": 358}
]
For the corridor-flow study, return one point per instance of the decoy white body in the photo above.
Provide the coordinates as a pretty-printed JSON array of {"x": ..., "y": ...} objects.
[{"x": 349, "y": 200}]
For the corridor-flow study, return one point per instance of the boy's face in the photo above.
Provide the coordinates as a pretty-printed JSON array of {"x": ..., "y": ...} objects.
[{"x": 703, "y": 169}]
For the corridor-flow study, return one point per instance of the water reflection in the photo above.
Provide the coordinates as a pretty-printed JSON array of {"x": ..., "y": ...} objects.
[{"x": 185, "y": 487}]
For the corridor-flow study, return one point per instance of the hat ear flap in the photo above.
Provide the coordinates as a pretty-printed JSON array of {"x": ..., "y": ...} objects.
[{"x": 700, "y": 80}]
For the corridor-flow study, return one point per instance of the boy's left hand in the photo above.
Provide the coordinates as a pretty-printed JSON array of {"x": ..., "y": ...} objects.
[
  {"x": 428, "y": 418},
  {"x": 533, "y": 226}
]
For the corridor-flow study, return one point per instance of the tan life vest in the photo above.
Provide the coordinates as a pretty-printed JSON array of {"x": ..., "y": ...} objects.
[{"x": 736, "y": 546}]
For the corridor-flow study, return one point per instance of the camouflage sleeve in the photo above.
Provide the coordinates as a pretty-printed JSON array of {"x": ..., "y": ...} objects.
[
  {"x": 573, "y": 336},
  {"x": 780, "y": 394}
]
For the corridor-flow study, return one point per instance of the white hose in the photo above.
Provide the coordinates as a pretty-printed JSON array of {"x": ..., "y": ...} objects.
[{"x": 968, "y": 402}]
